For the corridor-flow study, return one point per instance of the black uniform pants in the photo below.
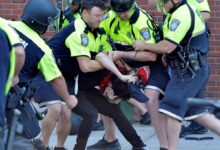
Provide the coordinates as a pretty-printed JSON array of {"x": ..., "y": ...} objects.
[
  {"x": 114, "y": 111},
  {"x": 89, "y": 114}
]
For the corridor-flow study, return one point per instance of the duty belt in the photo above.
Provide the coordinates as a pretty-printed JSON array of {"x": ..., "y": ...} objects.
[{"x": 181, "y": 64}]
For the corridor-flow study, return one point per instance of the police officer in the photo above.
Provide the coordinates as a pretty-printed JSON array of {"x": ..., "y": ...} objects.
[
  {"x": 73, "y": 12},
  {"x": 69, "y": 14},
  {"x": 12, "y": 51},
  {"x": 75, "y": 41},
  {"x": 77, "y": 49},
  {"x": 203, "y": 7},
  {"x": 185, "y": 42},
  {"x": 39, "y": 58},
  {"x": 125, "y": 23}
]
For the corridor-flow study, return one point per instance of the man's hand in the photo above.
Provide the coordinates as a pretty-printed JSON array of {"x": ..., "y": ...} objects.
[
  {"x": 71, "y": 101},
  {"x": 109, "y": 93},
  {"x": 139, "y": 45},
  {"x": 128, "y": 78},
  {"x": 117, "y": 55}
]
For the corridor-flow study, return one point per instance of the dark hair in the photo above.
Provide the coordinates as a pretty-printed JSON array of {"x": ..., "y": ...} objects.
[
  {"x": 120, "y": 88},
  {"x": 89, "y": 4}
]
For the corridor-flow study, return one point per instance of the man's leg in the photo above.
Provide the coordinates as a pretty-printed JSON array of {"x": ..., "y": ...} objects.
[
  {"x": 210, "y": 122},
  {"x": 109, "y": 141},
  {"x": 173, "y": 127},
  {"x": 158, "y": 120},
  {"x": 114, "y": 111},
  {"x": 49, "y": 121},
  {"x": 63, "y": 126},
  {"x": 89, "y": 114},
  {"x": 110, "y": 128},
  {"x": 145, "y": 118},
  {"x": 138, "y": 105}
]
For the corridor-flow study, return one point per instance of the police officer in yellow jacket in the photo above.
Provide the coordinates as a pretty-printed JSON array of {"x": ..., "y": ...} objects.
[
  {"x": 77, "y": 49},
  {"x": 39, "y": 58},
  {"x": 71, "y": 12},
  {"x": 203, "y": 7},
  {"x": 31, "y": 26},
  {"x": 124, "y": 24},
  {"x": 12, "y": 59},
  {"x": 186, "y": 45}
]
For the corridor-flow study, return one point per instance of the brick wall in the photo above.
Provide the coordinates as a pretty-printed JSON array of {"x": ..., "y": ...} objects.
[{"x": 11, "y": 9}]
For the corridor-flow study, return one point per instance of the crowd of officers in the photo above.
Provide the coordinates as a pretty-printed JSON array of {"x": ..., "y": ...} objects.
[{"x": 94, "y": 38}]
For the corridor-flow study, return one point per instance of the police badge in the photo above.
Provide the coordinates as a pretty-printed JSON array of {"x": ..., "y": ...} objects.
[
  {"x": 145, "y": 34},
  {"x": 174, "y": 24},
  {"x": 84, "y": 40},
  {"x": 105, "y": 16}
]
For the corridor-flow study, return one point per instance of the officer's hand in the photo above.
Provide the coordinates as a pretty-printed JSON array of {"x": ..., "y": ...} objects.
[
  {"x": 139, "y": 45},
  {"x": 128, "y": 78},
  {"x": 72, "y": 101},
  {"x": 117, "y": 55},
  {"x": 15, "y": 81},
  {"x": 164, "y": 60},
  {"x": 109, "y": 93}
]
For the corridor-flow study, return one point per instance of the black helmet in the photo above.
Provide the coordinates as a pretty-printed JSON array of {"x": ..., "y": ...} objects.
[
  {"x": 76, "y": 2},
  {"x": 38, "y": 14},
  {"x": 121, "y": 5}
]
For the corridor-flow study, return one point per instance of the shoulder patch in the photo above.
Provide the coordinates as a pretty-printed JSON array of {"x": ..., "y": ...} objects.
[
  {"x": 84, "y": 40},
  {"x": 145, "y": 33},
  {"x": 105, "y": 16},
  {"x": 174, "y": 24},
  {"x": 200, "y": 1}
]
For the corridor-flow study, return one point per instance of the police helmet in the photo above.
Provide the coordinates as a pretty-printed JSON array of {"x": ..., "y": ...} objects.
[
  {"x": 121, "y": 5},
  {"x": 38, "y": 14},
  {"x": 76, "y": 2}
]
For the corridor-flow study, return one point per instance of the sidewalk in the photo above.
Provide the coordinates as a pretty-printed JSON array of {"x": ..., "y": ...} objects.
[{"x": 148, "y": 135}]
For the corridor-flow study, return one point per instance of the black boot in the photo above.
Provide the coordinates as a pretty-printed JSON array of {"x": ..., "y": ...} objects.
[
  {"x": 145, "y": 120},
  {"x": 104, "y": 145}
]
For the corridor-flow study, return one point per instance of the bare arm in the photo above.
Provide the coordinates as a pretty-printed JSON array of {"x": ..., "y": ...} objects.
[
  {"x": 108, "y": 63},
  {"x": 88, "y": 65},
  {"x": 59, "y": 85},
  {"x": 140, "y": 56},
  {"x": 162, "y": 47},
  {"x": 134, "y": 55},
  {"x": 20, "y": 58},
  {"x": 206, "y": 16}
]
